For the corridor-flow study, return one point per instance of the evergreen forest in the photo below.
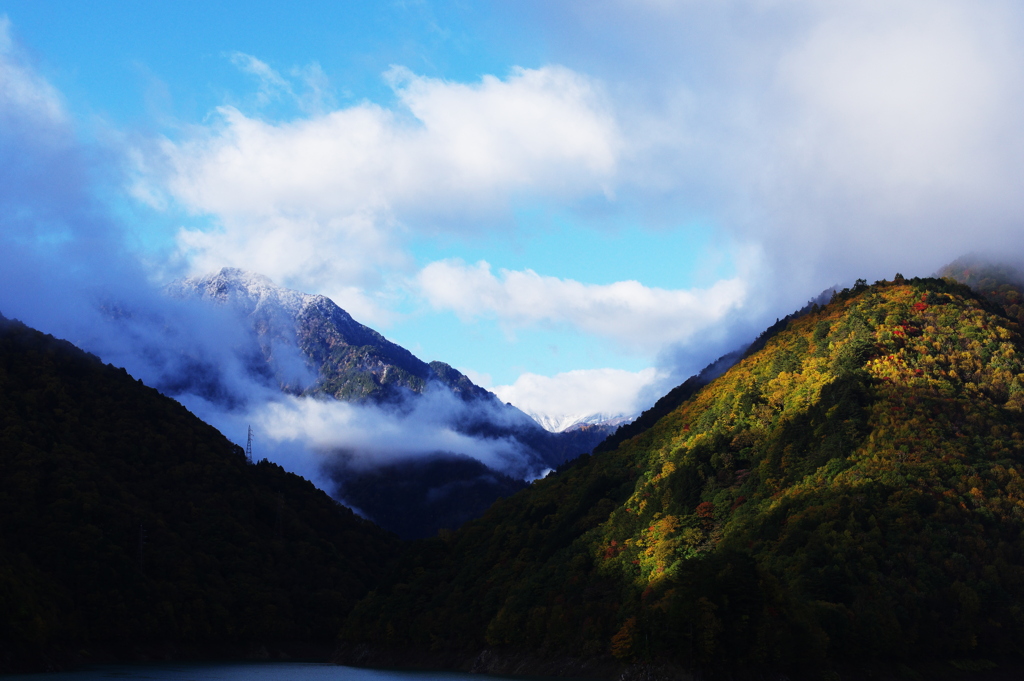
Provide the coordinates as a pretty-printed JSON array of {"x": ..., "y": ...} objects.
[{"x": 130, "y": 525}]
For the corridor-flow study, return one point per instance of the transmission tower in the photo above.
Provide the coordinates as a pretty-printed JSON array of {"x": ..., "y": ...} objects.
[
  {"x": 142, "y": 547},
  {"x": 248, "y": 447}
]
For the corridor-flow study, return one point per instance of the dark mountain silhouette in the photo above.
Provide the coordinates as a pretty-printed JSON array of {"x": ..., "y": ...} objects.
[
  {"x": 128, "y": 523},
  {"x": 417, "y": 497}
]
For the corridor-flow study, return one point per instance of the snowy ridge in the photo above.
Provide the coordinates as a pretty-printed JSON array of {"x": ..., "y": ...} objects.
[
  {"x": 248, "y": 292},
  {"x": 275, "y": 310},
  {"x": 558, "y": 423},
  {"x": 312, "y": 331}
]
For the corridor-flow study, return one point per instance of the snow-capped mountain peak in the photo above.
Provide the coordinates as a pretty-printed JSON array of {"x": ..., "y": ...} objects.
[
  {"x": 310, "y": 347},
  {"x": 248, "y": 292},
  {"x": 557, "y": 423}
]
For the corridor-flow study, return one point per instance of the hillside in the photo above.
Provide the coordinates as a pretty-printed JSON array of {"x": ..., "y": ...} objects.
[
  {"x": 128, "y": 523},
  {"x": 849, "y": 496}
]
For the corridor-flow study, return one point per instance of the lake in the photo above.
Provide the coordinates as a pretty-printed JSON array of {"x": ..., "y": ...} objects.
[{"x": 241, "y": 671}]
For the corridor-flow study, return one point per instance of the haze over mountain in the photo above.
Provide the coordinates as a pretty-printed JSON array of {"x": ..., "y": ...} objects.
[
  {"x": 351, "y": 362},
  {"x": 327, "y": 363}
]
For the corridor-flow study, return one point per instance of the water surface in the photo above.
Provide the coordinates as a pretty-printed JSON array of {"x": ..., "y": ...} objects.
[{"x": 241, "y": 671}]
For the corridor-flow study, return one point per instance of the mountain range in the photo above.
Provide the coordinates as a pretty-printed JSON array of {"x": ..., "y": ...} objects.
[
  {"x": 350, "y": 361},
  {"x": 310, "y": 347},
  {"x": 564, "y": 422},
  {"x": 840, "y": 500}
]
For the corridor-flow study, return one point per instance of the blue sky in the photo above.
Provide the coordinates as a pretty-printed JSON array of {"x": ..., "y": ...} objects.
[
  {"x": 578, "y": 203},
  {"x": 130, "y": 60}
]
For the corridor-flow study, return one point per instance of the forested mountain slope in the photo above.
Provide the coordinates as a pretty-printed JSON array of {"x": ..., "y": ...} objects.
[
  {"x": 1000, "y": 283},
  {"x": 125, "y": 521},
  {"x": 688, "y": 388},
  {"x": 851, "y": 494}
]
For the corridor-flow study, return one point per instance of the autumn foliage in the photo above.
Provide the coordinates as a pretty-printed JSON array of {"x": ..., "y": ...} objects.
[{"x": 851, "y": 492}]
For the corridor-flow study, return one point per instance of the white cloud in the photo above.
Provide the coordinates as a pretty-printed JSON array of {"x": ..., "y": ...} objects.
[
  {"x": 839, "y": 140},
  {"x": 310, "y": 436},
  {"x": 371, "y": 436},
  {"x": 845, "y": 140},
  {"x": 634, "y": 316},
  {"x": 341, "y": 257},
  {"x": 543, "y": 129},
  {"x": 897, "y": 114},
  {"x": 272, "y": 84},
  {"x": 58, "y": 246},
  {"x": 322, "y": 203},
  {"x": 564, "y": 399}
]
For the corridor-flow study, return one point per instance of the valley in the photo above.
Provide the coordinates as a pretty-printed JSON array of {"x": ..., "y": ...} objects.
[
  {"x": 840, "y": 498},
  {"x": 306, "y": 346},
  {"x": 627, "y": 340}
]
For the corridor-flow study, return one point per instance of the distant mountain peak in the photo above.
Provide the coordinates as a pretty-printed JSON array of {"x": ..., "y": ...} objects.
[
  {"x": 558, "y": 423},
  {"x": 346, "y": 360},
  {"x": 247, "y": 291},
  {"x": 353, "y": 361}
]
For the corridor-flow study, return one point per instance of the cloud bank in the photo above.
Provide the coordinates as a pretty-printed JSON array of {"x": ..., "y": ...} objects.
[
  {"x": 628, "y": 313},
  {"x": 837, "y": 141},
  {"x": 322, "y": 202},
  {"x": 564, "y": 399},
  {"x": 64, "y": 270},
  {"x": 843, "y": 140},
  {"x": 833, "y": 140}
]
